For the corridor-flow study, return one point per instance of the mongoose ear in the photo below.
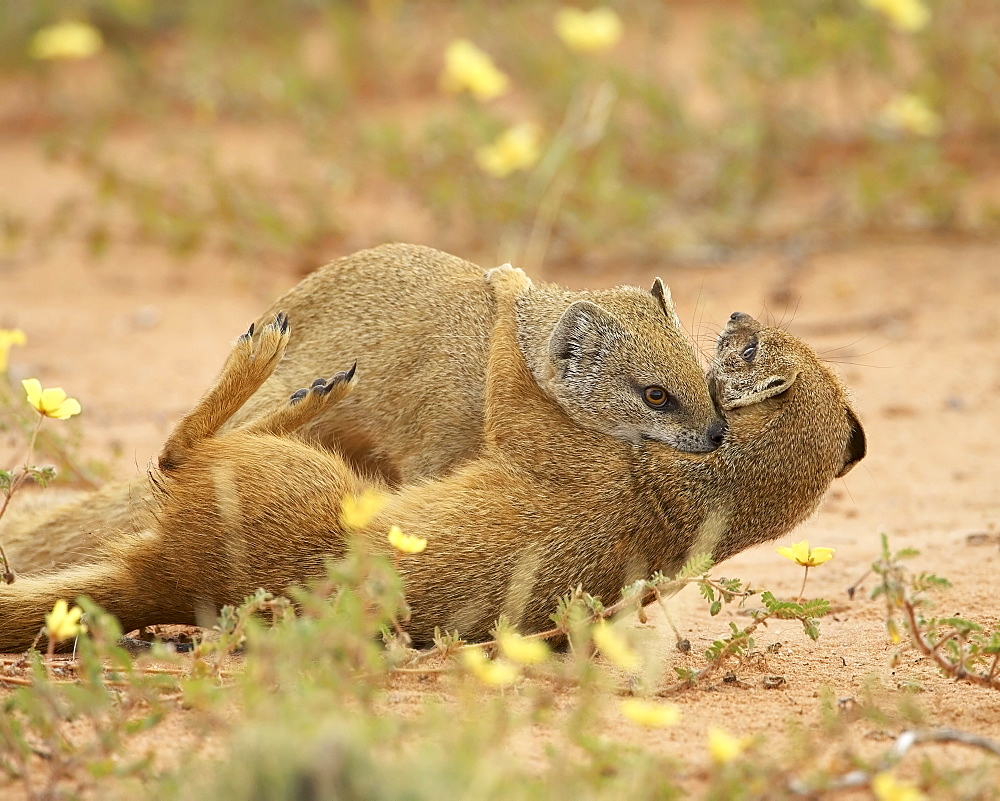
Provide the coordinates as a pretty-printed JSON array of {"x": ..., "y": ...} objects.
[
  {"x": 662, "y": 294},
  {"x": 857, "y": 444},
  {"x": 774, "y": 385},
  {"x": 580, "y": 332}
]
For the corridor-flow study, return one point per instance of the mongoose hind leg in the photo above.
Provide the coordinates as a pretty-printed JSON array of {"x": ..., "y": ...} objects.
[
  {"x": 249, "y": 365},
  {"x": 304, "y": 405}
]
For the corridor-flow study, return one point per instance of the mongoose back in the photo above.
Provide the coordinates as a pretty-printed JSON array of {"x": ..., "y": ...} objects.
[
  {"x": 544, "y": 507},
  {"x": 418, "y": 321}
]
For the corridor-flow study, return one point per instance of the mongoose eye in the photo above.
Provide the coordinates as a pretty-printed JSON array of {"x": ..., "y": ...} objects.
[
  {"x": 656, "y": 397},
  {"x": 750, "y": 351}
]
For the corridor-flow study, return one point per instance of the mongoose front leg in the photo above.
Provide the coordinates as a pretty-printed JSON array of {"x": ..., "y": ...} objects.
[
  {"x": 249, "y": 365},
  {"x": 304, "y": 405},
  {"x": 509, "y": 382}
]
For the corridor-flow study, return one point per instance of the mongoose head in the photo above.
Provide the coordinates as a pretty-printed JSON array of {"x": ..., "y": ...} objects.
[
  {"x": 754, "y": 363},
  {"x": 619, "y": 362}
]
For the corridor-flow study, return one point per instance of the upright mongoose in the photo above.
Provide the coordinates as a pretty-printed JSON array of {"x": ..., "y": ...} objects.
[
  {"x": 616, "y": 361},
  {"x": 544, "y": 507}
]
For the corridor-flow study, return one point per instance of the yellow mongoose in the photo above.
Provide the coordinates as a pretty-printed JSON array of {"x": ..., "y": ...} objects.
[
  {"x": 418, "y": 321},
  {"x": 544, "y": 507}
]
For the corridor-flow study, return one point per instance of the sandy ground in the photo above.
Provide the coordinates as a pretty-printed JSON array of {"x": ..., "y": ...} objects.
[{"x": 914, "y": 326}]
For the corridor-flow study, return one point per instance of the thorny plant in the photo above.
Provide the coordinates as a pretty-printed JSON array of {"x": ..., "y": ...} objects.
[{"x": 959, "y": 647}]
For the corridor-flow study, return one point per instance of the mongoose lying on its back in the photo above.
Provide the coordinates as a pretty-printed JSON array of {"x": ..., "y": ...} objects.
[
  {"x": 418, "y": 321},
  {"x": 544, "y": 507}
]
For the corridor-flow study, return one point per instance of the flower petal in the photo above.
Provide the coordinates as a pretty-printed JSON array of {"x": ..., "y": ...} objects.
[
  {"x": 33, "y": 389},
  {"x": 725, "y": 747},
  {"x": 405, "y": 543},
  {"x": 615, "y": 647},
  {"x": 522, "y": 649},
  {"x": 650, "y": 714}
]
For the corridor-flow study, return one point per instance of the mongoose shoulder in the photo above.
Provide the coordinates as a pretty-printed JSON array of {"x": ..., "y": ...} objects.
[
  {"x": 509, "y": 531},
  {"x": 616, "y": 361}
]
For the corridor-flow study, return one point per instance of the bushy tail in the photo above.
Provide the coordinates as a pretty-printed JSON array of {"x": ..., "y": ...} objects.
[
  {"x": 60, "y": 534},
  {"x": 25, "y": 603}
]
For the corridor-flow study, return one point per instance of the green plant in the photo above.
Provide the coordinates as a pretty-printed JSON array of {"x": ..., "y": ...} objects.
[{"x": 959, "y": 647}]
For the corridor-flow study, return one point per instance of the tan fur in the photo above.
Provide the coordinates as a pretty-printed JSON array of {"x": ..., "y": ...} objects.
[
  {"x": 544, "y": 507},
  {"x": 418, "y": 321}
]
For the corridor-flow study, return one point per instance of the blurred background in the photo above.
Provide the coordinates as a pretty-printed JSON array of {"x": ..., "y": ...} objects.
[{"x": 291, "y": 131}]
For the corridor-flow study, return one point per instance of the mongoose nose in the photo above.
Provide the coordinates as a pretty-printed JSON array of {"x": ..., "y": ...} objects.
[
  {"x": 717, "y": 433},
  {"x": 738, "y": 316}
]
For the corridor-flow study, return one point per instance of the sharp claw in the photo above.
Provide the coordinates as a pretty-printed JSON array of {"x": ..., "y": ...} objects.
[
  {"x": 282, "y": 321},
  {"x": 298, "y": 395},
  {"x": 250, "y": 330},
  {"x": 349, "y": 375}
]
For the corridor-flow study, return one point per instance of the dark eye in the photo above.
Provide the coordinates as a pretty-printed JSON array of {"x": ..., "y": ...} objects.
[
  {"x": 749, "y": 351},
  {"x": 656, "y": 397}
]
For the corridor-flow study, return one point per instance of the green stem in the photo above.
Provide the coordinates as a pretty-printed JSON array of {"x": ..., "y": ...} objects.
[{"x": 15, "y": 484}]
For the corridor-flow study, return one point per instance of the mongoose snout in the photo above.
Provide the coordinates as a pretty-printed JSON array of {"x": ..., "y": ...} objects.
[{"x": 717, "y": 432}]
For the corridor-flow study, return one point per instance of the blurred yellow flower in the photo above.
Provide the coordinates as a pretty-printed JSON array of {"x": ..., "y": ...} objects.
[
  {"x": 886, "y": 788},
  {"x": 588, "y": 31},
  {"x": 907, "y": 15},
  {"x": 467, "y": 68},
  {"x": 405, "y": 543},
  {"x": 8, "y": 338},
  {"x": 523, "y": 650},
  {"x": 50, "y": 402},
  {"x": 66, "y": 40},
  {"x": 517, "y": 148},
  {"x": 357, "y": 511},
  {"x": 723, "y": 747},
  {"x": 614, "y": 647},
  {"x": 651, "y": 714},
  {"x": 491, "y": 672},
  {"x": 909, "y": 113},
  {"x": 63, "y": 623},
  {"x": 802, "y": 554}
]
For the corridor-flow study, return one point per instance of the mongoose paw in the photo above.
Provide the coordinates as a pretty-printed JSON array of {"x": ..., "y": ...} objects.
[
  {"x": 322, "y": 388},
  {"x": 271, "y": 342},
  {"x": 506, "y": 272}
]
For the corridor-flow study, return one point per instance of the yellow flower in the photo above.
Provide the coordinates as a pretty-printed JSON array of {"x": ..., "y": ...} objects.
[
  {"x": 491, "y": 672},
  {"x": 8, "y": 338},
  {"x": 517, "y": 148},
  {"x": 911, "y": 114},
  {"x": 614, "y": 647},
  {"x": 650, "y": 714},
  {"x": 724, "y": 747},
  {"x": 467, "y": 68},
  {"x": 66, "y": 40},
  {"x": 50, "y": 402},
  {"x": 907, "y": 15},
  {"x": 357, "y": 511},
  {"x": 63, "y": 623},
  {"x": 405, "y": 543},
  {"x": 523, "y": 650},
  {"x": 802, "y": 554},
  {"x": 588, "y": 31},
  {"x": 886, "y": 788}
]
